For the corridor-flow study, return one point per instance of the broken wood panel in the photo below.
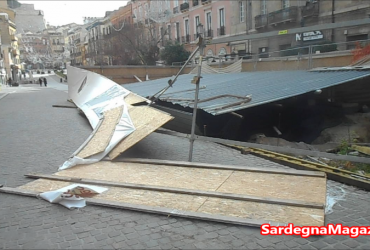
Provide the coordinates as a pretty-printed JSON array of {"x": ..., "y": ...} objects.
[
  {"x": 192, "y": 203},
  {"x": 311, "y": 189},
  {"x": 103, "y": 134},
  {"x": 157, "y": 175},
  {"x": 133, "y": 99},
  {"x": 299, "y": 216},
  {"x": 180, "y": 191},
  {"x": 300, "y": 188},
  {"x": 155, "y": 210},
  {"x": 146, "y": 120}
]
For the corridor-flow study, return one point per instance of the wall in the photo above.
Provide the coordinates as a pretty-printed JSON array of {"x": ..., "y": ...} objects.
[{"x": 125, "y": 74}]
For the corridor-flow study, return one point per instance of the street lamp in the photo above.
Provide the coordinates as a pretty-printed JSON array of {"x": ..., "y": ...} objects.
[{"x": 196, "y": 80}]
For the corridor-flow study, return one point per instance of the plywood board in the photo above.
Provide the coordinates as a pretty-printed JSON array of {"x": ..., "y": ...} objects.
[
  {"x": 303, "y": 188},
  {"x": 157, "y": 175},
  {"x": 146, "y": 120},
  {"x": 213, "y": 206},
  {"x": 102, "y": 136},
  {"x": 134, "y": 196},
  {"x": 270, "y": 212},
  {"x": 133, "y": 98},
  {"x": 267, "y": 185}
]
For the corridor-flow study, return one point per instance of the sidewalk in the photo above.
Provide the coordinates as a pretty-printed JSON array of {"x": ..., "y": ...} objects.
[{"x": 35, "y": 137}]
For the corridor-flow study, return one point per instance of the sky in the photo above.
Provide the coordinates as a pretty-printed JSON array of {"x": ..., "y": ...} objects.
[{"x": 70, "y": 11}]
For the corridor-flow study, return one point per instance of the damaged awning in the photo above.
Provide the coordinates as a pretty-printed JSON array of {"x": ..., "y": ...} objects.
[
  {"x": 224, "y": 93},
  {"x": 109, "y": 108}
]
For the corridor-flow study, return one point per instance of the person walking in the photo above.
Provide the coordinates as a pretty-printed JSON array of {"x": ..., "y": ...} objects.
[
  {"x": 9, "y": 82},
  {"x": 40, "y": 81},
  {"x": 45, "y": 82}
]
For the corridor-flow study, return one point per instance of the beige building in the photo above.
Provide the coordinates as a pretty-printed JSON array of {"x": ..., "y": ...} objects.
[{"x": 9, "y": 43}]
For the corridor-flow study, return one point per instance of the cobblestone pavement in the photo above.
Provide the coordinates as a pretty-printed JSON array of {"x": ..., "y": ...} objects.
[{"x": 35, "y": 137}]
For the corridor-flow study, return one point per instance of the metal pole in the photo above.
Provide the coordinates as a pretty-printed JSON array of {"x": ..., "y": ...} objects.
[{"x": 196, "y": 101}]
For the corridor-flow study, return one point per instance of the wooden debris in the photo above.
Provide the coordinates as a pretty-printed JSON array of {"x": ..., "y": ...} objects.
[
  {"x": 146, "y": 120},
  {"x": 103, "y": 134}
]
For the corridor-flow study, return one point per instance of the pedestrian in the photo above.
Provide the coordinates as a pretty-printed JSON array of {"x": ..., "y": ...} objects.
[
  {"x": 40, "y": 81},
  {"x": 9, "y": 82},
  {"x": 45, "y": 82}
]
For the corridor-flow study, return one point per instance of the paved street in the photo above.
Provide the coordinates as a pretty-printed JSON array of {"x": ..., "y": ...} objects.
[{"x": 35, "y": 137}]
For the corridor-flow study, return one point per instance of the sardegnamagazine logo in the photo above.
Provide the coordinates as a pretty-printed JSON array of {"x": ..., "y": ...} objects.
[{"x": 307, "y": 231}]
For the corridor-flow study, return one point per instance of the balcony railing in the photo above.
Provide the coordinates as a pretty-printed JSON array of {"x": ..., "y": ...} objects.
[
  {"x": 260, "y": 21},
  {"x": 284, "y": 15},
  {"x": 186, "y": 39},
  {"x": 176, "y": 10},
  {"x": 208, "y": 33},
  {"x": 13, "y": 38},
  {"x": 221, "y": 31},
  {"x": 184, "y": 7},
  {"x": 195, "y": 3},
  {"x": 206, "y": 1},
  {"x": 310, "y": 10}
]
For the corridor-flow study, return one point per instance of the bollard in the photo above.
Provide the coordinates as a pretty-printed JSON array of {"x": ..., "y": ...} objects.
[{"x": 61, "y": 80}]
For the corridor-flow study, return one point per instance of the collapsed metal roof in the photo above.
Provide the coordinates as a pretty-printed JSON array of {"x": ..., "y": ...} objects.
[{"x": 224, "y": 93}]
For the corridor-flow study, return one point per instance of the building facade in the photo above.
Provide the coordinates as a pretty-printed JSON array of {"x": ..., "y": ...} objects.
[{"x": 9, "y": 44}]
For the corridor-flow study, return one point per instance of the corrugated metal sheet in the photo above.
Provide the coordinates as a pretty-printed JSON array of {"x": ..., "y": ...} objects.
[{"x": 264, "y": 87}]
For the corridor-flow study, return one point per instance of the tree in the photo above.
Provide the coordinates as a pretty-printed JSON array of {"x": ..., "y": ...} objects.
[{"x": 174, "y": 53}]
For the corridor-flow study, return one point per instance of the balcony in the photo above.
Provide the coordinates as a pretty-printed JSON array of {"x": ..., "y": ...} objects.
[
  {"x": 195, "y": 3},
  {"x": 208, "y": 33},
  {"x": 176, "y": 10},
  {"x": 284, "y": 15},
  {"x": 206, "y": 1},
  {"x": 184, "y": 7},
  {"x": 13, "y": 38},
  {"x": 221, "y": 31},
  {"x": 260, "y": 21},
  {"x": 186, "y": 39},
  {"x": 310, "y": 10}
]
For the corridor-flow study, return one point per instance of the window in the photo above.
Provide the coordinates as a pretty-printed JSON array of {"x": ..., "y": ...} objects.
[
  {"x": 169, "y": 31},
  {"x": 176, "y": 3},
  {"x": 222, "y": 17},
  {"x": 285, "y": 4},
  {"x": 197, "y": 22},
  {"x": 263, "y": 7},
  {"x": 177, "y": 31},
  {"x": 209, "y": 21},
  {"x": 187, "y": 27},
  {"x": 241, "y": 12}
]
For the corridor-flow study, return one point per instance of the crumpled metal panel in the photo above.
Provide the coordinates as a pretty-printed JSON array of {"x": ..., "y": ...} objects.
[
  {"x": 264, "y": 87},
  {"x": 95, "y": 94}
]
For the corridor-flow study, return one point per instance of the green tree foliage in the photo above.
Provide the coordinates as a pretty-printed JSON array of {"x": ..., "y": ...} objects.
[{"x": 174, "y": 53}]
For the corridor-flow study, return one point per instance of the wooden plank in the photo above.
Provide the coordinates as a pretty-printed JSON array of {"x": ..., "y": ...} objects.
[
  {"x": 64, "y": 106},
  {"x": 102, "y": 136},
  {"x": 222, "y": 167},
  {"x": 182, "y": 191},
  {"x": 332, "y": 173},
  {"x": 146, "y": 120},
  {"x": 285, "y": 150},
  {"x": 132, "y": 98},
  {"x": 88, "y": 138},
  {"x": 156, "y": 210}
]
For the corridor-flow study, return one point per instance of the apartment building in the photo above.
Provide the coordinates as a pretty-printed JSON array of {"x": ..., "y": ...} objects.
[
  {"x": 9, "y": 43},
  {"x": 281, "y": 16}
]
